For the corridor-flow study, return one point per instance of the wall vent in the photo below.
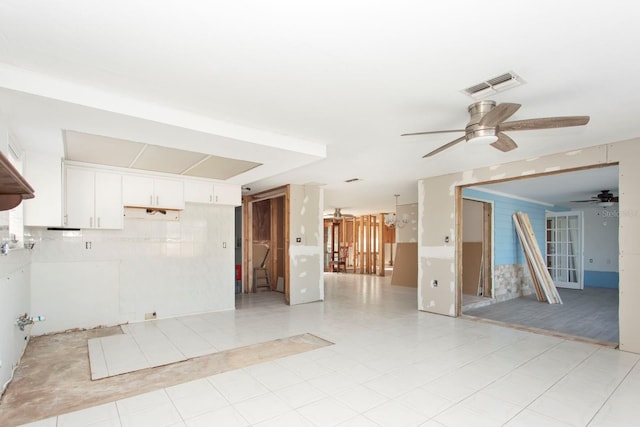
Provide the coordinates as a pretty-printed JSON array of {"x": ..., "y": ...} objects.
[{"x": 494, "y": 85}]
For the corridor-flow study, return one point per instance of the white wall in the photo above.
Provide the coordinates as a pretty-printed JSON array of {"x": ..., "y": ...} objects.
[
  {"x": 306, "y": 266},
  {"x": 14, "y": 301},
  {"x": 601, "y": 238},
  {"x": 169, "y": 267}
]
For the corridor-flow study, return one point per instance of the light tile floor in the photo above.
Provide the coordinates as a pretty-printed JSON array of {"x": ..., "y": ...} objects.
[
  {"x": 392, "y": 366},
  {"x": 149, "y": 344}
]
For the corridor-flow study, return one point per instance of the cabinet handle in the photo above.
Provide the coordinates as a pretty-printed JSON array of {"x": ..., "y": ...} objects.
[
  {"x": 157, "y": 200},
  {"x": 66, "y": 219},
  {"x": 90, "y": 222},
  {"x": 210, "y": 198},
  {"x": 98, "y": 222},
  {"x": 151, "y": 200},
  {"x": 216, "y": 199}
]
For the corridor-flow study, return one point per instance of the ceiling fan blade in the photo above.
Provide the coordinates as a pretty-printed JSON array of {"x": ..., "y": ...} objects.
[
  {"x": 499, "y": 114},
  {"x": 504, "y": 143},
  {"x": 614, "y": 199},
  {"x": 444, "y": 147},
  {"x": 545, "y": 123},
  {"x": 432, "y": 132}
]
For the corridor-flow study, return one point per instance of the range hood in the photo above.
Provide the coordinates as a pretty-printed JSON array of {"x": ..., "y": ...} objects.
[{"x": 13, "y": 187}]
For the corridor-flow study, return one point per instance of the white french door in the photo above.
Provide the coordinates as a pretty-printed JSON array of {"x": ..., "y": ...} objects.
[{"x": 564, "y": 248}]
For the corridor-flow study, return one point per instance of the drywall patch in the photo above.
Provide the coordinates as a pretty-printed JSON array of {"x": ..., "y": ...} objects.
[{"x": 469, "y": 177}]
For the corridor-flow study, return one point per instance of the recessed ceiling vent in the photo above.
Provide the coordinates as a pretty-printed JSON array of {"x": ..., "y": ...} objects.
[
  {"x": 353, "y": 180},
  {"x": 491, "y": 86}
]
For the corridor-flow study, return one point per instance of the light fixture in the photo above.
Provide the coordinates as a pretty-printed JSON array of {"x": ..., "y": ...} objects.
[
  {"x": 391, "y": 219},
  {"x": 605, "y": 204},
  {"x": 337, "y": 214},
  {"x": 482, "y": 136}
]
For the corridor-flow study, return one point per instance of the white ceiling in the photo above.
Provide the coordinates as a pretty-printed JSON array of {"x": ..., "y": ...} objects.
[
  {"x": 317, "y": 92},
  {"x": 561, "y": 189}
]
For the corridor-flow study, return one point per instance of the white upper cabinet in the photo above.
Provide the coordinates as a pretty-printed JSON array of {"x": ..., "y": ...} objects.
[
  {"x": 92, "y": 199},
  {"x": 227, "y": 194},
  {"x": 149, "y": 192},
  {"x": 44, "y": 172},
  {"x": 208, "y": 192},
  {"x": 198, "y": 191}
]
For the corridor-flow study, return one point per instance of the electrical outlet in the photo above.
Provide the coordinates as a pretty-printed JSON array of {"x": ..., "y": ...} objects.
[
  {"x": 150, "y": 316},
  {"x": 298, "y": 239},
  {"x": 434, "y": 283},
  {"x": 224, "y": 245},
  {"x": 87, "y": 245}
]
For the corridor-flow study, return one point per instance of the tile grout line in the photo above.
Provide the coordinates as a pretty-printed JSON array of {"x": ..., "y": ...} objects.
[
  {"x": 551, "y": 386},
  {"x": 637, "y": 362}
]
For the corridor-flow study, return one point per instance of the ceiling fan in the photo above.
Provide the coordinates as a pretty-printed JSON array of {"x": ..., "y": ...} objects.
[
  {"x": 603, "y": 198},
  {"x": 337, "y": 214},
  {"x": 487, "y": 124}
]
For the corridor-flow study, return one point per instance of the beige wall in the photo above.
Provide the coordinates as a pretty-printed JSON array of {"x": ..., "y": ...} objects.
[{"x": 437, "y": 258}]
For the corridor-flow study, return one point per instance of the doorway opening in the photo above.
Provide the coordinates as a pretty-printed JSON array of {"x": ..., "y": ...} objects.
[
  {"x": 577, "y": 233},
  {"x": 266, "y": 237},
  {"x": 477, "y": 253}
]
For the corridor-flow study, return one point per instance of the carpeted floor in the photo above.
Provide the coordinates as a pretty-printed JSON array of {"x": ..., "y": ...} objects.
[{"x": 590, "y": 313}]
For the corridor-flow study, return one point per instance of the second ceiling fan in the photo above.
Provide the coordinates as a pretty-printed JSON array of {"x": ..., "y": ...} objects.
[{"x": 487, "y": 124}]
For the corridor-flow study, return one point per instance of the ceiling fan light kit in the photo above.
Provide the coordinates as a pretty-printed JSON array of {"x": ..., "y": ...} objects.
[{"x": 487, "y": 123}]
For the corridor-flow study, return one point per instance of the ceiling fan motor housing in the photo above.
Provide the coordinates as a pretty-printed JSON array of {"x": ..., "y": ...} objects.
[{"x": 474, "y": 131}]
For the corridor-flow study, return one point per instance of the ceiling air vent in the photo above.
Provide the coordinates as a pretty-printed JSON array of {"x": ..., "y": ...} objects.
[
  {"x": 494, "y": 85},
  {"x": 353, "y": 180}
]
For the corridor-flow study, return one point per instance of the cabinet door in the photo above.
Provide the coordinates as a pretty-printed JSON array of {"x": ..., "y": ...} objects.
[
  {"x": 137, "y": 191},
  {"x": 198, "y": 192},
  {"x": 108, "y": 202},
  {"x": 44, "y": 173},
  {"x": 169, "y": 194},
  {"x": 227, "y": 194},
  {"x": 79, "y": 207}
]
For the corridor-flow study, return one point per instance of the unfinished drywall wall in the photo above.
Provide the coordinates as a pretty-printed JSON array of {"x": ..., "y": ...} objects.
[
  {"x": 472, "y": 226},
  {"x": 306, "y": 244},
  {"x": 171, "y": 268},
  {"x": 627, "y": 154},
  {"x": 436, "y": 246},
  {"x": 408, "y": 216},
  {"x": 405, "y": 268},
  {"x": 437, "y": 261}
]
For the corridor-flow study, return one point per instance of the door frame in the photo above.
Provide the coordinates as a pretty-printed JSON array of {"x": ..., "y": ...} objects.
[
  {"x": 487, "y": 240},
  {"x": 248, "y": 201}
]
